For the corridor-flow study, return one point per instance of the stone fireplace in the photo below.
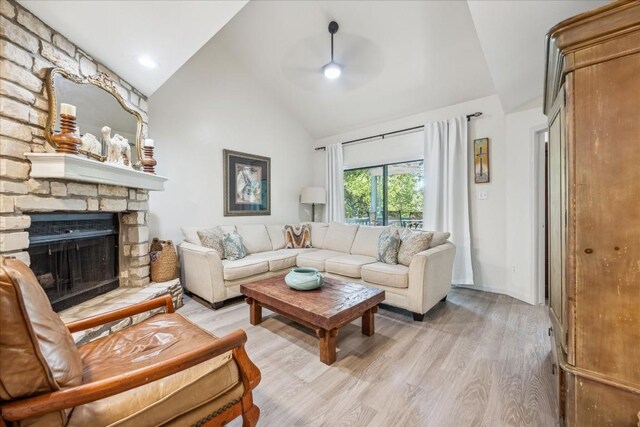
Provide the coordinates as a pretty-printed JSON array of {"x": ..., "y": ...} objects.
[
  {"x": 74, "y": 255},
  {"x": 31, "y": 186}
]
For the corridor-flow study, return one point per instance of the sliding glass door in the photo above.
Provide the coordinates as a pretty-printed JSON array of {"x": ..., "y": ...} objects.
[{"x": 391, "y": 194}]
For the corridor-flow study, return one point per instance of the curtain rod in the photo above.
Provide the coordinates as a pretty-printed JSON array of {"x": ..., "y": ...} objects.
[{"x": 382, "y": 135}]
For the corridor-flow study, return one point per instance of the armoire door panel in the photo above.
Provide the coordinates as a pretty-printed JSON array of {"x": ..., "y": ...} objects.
[
  {"x": 607, "y": 215},
  {"x": 555, "y": 224}
]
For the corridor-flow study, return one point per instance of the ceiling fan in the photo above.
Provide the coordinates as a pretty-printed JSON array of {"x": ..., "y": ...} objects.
[{"x": 356, "y": 61}]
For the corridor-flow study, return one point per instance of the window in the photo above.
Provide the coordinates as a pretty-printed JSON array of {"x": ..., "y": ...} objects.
[{"x": 385, "y": 195}]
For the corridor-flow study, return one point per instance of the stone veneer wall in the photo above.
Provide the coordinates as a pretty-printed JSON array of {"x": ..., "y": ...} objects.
[{"x": 27, "y": 48}]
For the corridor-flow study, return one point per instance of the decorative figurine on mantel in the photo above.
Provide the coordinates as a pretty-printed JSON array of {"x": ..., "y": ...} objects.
[
  {"x": 67, "y": 140},
  {"x": 118, "y": 149},
  {"x": 91, "y": 144},
  {"x": 148, "y": 162}
]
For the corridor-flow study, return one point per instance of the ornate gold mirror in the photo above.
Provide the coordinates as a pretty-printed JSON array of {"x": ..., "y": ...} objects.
[{"x": 98, "y": 104}]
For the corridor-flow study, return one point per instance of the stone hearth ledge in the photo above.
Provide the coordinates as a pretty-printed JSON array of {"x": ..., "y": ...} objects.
[
  {"x": 76, "y": 168},
  {"x": 116, "y": 299}
]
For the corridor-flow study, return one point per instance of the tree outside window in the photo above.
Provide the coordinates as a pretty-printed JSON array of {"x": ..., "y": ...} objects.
[{"x": 388, "y": 194}]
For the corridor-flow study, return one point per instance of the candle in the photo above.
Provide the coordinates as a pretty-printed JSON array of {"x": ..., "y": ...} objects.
[
  {"x": 68, "y": 110},
  {"x": 148, "y": 142}
]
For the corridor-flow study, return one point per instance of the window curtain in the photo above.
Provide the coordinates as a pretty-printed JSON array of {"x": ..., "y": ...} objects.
[
  {"x": 446, "y": 192},
  {"x": 334, "y": 183}
]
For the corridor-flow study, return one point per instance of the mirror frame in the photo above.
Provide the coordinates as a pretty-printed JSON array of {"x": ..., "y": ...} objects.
[{"x": 105, "y": 83}]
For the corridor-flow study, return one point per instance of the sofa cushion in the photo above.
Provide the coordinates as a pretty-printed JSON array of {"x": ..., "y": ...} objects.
[
  {"x": 276, "y": 235},
  {"x": 392, "y": 275},
  {"x": 348, "y": 265},
  {"x": 413, "y": 242},
  {"x": 318, "y": 233},
  {"x": 191, "y": 233},
  {"x": 255, "y": 238},
  {"x": 316, "y": 259},
  {"x": 297, "y": 236},
  {"x": 245, "y": 267},
  {"x": 278, "y": 260},
  {"x": 153, "y": 341},
  {"x": 366, "y": 241},
  {"x": 339, "y": 237}
]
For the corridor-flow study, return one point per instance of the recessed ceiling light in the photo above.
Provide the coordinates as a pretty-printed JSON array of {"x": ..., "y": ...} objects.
[{"x": 147, "y": 62}]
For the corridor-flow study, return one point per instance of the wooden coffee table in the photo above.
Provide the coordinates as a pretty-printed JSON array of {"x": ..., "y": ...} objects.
[{"x": 325, "y": 309}]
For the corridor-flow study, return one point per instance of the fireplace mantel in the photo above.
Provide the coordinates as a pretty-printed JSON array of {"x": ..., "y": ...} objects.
[{"x": 76, "y": 168}]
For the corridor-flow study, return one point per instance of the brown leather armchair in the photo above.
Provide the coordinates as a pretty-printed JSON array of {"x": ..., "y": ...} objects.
[{"x": 162, "y": 371}]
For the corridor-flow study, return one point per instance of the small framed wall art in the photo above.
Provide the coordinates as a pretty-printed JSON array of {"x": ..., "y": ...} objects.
[
  {"x": 481, "y": 160},
  {"x": 247, "y": 184}
]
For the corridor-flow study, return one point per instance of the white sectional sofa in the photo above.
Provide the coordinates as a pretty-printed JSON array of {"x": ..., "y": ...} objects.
[{"x": 341, "y": 251}]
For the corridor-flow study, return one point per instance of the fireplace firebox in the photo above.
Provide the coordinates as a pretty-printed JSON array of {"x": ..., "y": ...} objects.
[{"x": 74, "y": 255}]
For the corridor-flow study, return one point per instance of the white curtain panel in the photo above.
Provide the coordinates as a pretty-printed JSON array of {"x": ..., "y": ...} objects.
[
  {"x": 446, "y": 192},
  {"x": 334, "y": 183}
]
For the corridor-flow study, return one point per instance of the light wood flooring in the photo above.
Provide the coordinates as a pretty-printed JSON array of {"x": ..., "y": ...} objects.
[{"x": 478, "y": 359}]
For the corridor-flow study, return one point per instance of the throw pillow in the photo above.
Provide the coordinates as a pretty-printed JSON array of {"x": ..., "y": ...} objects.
[
  {"x": 212, "y": 238},
  {"x": 388, "y": 245},
  {"x": 439, "y": 238},
  {"x": 233, "y": 247},
  {"x": 413, "y": 242},
  {"x": 297, "y": 236}
]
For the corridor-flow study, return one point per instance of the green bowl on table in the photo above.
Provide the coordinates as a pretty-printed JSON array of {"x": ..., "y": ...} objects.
[{"x": 304, "y": 278}]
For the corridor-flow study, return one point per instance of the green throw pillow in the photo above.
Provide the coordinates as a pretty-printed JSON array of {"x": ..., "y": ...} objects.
[
  {"x": 388, "y": 245},
  {"x": 233, "y": 246}
]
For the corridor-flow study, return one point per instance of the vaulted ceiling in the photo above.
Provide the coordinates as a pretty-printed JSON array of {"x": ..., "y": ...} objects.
[
  {"x": 117, "y": 33},
  {"x": 398, "y": 57}
]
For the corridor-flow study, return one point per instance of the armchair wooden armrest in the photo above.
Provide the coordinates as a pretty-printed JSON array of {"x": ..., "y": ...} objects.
[
  {"x": 101, "y": 319},
  {"x": 85, "y": 393}
]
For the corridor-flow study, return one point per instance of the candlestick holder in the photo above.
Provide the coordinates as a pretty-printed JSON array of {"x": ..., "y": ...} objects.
[
  {"x": 67, "y": 141},
  {"x": 148, "y": 162}
]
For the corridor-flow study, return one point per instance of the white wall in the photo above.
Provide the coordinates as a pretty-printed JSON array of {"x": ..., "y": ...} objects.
[
  {"x": 501, "y": 226},
  {"x": 521, "y": 128},
  {"x": 208, "y": 105}
]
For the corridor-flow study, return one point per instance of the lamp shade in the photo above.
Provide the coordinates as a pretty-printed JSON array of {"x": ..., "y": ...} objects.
[{"x": 315, "y": 195}]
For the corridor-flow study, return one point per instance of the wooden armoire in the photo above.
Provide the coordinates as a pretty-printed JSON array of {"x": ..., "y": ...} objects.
[{"x": 592, "y": 101}]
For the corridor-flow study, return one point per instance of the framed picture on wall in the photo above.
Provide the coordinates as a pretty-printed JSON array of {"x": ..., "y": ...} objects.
[
  {"x": 481, "y": 160},
  {"x": 247, "y": 184}
]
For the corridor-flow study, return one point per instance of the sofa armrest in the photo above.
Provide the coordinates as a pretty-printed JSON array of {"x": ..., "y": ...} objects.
[
  {"x": 202, "y": 271},
  {"x": 430, "y": 274}
]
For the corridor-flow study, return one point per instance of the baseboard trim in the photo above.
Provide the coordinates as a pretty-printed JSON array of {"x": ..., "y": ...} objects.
[{"x": 495, "y": 290}]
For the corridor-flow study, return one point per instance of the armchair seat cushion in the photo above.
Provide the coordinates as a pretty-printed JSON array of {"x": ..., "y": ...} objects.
[
  {"x": 245, "y": 267},
  {"x": 348, "y": 265},
  {"x": 393, "y": 275},
  {"x": 316, "y": 259},
  {"x": 214, "y": 382}
]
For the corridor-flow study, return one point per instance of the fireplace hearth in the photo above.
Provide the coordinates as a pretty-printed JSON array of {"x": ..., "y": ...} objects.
[{"x": 74, "y": 255}]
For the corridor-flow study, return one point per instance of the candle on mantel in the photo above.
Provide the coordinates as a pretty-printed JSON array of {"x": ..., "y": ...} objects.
[
  {"x": 68, "y": 110},
  {"x": 148, "y": 142}
]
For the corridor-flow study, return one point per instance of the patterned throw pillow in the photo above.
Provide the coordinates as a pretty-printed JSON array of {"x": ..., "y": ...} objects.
[
  {"x": 233, "y": 246},
  {"x": 412, "y": 243},
  {"x": 297, "y": 236},
  {"x": 212, "y": 238},
  {"x": 388, "y": 245}
]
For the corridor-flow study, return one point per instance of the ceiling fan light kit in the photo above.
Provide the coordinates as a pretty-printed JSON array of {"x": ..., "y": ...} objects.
[{"x": 332, "y": 70}]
